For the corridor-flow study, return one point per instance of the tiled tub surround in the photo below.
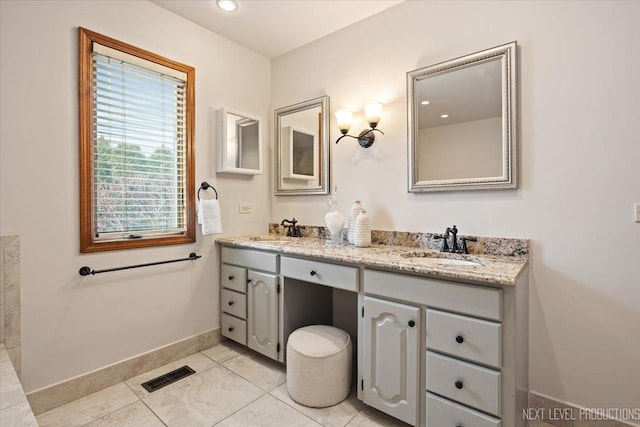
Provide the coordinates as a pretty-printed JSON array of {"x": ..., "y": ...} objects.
[
  {"x": 10, "y": 317},
  {"x": 14, "y": 408}
]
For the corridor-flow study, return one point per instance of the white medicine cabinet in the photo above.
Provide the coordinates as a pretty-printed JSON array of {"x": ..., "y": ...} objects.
[{"x": 239, "y": 142}]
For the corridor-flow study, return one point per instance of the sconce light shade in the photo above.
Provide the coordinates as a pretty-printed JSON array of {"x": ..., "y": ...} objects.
[
  {"x": 343, "y": 117},
  {"x": 366, "y": 138},
  {"x": 372, "y": 113}
]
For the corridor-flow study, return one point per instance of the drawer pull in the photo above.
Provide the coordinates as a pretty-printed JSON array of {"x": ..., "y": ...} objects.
[
  {"x": 313, "y": 273},
  {"x": 230, "y": 277},
  {"x": 459, "y": 339},
  {"x": 231, "y": 329},
  {"x": 458, "y": 385},
  {"x": 230, "y": 302},
  {"x": 412, "y": 323}
]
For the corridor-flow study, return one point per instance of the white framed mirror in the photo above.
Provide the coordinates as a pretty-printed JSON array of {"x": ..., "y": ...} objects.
[
  {"x": 462, "y": 123},
  {"x": 302, "y": 148},
  {"x": 239, "y": 142}
]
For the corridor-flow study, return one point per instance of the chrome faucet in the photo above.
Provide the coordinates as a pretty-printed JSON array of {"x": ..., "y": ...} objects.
[{"x": 292, "y": 229}]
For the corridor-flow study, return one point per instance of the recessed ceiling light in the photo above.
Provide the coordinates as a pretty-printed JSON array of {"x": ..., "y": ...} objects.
[
  {"x": 227, "y": 5},
  {"x": 444, "y": 116},
  {"x": 425, "y": 103}
]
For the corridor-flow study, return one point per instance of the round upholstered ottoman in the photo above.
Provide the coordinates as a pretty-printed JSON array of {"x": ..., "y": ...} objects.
[{"x": 319, "y": 365}]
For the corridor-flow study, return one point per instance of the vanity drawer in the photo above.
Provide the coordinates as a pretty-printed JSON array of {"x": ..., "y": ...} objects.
[
  {"x": 473, "y": 300},
  {"x": 465, "y": 337},
  {"x": 444, "y": 413},
  {"x": 234, "y": 277},
  {"x": 234, "y": 328},
  {"x": 257, "y": 260},
  {"x": 234, "y": 303},
  {"x": 463, "y": 382},
  {"x": 322, "y": 273}
]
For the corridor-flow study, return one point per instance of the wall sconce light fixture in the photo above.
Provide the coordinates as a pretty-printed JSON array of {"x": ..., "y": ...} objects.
[{"x": 372, "y": 113}]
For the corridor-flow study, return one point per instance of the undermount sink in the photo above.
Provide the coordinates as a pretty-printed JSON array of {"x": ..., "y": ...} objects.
[{"x": 439, "y": 258}]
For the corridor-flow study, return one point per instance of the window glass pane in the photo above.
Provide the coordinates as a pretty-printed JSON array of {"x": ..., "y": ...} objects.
[{"x": 139, "y": 140}]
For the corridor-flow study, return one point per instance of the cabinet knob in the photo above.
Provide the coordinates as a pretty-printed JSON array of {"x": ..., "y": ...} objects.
[
  {"x": 412, "y": 323},
  {"x": 458, "y": 385},
  {"x": 459, "y": 339},
  {"x": 231, "y": 329},
  {"x": 230, "y": 302},
  {"x": 230, "y": 277},
  {"x": 313, "y": 273},
  {"x": 248, "y": 280}
]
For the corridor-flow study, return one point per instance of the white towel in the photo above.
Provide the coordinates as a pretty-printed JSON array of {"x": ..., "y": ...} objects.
[{"x": 209, "y": 216}]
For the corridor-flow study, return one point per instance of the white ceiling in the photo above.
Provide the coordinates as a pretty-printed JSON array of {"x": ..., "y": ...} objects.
[{"x": 274, "y": 27}]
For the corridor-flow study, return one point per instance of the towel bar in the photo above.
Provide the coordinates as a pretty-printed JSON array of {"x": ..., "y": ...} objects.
[{"x": 85, "y": 271}]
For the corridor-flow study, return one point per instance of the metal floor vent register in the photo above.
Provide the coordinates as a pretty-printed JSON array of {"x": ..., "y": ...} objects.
[{"x": 168, "y": 378}]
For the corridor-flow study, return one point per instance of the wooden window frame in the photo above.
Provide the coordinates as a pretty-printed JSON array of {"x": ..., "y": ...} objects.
[{"x": 87, "y": 228}]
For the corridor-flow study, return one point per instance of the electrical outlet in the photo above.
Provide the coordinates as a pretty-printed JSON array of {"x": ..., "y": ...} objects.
[
  {"x": 244, "y": 208},
  {"x": 637, "y": 208}
]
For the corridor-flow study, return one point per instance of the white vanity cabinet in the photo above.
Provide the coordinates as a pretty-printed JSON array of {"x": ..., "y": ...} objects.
[
  {"x": 248, "y": 299},
  {"x": 390, "y": 376},
  {"x": 462, "y": 363},
  {"x": 430, "y": 352},
  {"x": 262, "y": 313}
]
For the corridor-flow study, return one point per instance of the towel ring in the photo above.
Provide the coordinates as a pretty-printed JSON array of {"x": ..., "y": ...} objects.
[{"x": 205, "y": 186}]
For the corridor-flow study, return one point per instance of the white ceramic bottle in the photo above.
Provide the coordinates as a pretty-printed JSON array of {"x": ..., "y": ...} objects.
[
  {"x": 362, "y": 230},
  {"x": 353, "y": 214}
]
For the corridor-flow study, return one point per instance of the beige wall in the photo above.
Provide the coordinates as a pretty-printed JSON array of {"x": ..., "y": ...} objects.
[
  {"x": 72, "y": 325},
  {"x": 462, "y": 150},
  {"x": 579, "y": 155}
]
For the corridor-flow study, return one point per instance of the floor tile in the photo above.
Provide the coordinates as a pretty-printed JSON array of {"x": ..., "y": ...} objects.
[
  {"x": 268, "y": 412},
  {"x": 224, "y": 351},
  {"x": 135, "y": 415},
  {"x": 89, "y": 408},
  {"x": 197, "y": 362},
  {"x": 19, "y": 415},
  {"x": 334, "y": 416},
  {"x": 373, "y": 418},
  {"x": 203, "y": 399},
  {"x": 265, "y": 373}
]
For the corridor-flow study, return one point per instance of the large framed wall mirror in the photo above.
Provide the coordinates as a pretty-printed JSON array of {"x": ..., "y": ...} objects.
[
  {"x": 239, "y": 138},
  {"x": 302, "y": 148},
  {"x": 462, "y": 123}
]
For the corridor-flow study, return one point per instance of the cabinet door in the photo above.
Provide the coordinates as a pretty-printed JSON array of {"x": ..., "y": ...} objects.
[
  {"x": 391, "y": 361},
  {"x": 262, "y": 315}
]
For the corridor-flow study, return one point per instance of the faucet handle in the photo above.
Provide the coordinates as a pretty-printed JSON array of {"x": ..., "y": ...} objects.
[
  {"x": 444, "y": 246},
  {"x": 464, "y": 239}
]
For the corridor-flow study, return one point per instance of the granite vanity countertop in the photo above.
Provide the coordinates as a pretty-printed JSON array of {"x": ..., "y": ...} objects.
[{"x": 489, "y": 269}]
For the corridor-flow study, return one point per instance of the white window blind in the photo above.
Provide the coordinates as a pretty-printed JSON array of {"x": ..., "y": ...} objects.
[{"x": 139, "y": 142}]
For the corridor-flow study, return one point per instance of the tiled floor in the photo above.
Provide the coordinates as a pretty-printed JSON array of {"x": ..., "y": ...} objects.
[{"x": 232, "y": 387}]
